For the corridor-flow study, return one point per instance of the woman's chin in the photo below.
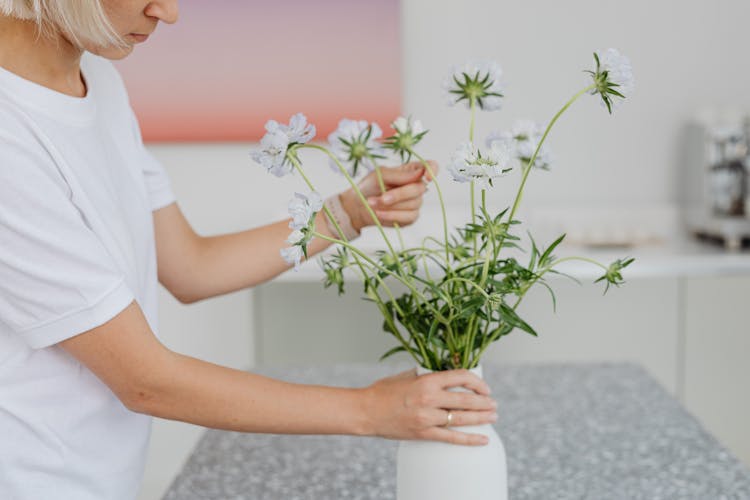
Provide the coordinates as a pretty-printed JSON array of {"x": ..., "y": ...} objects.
[{"x": 112, "y": 53}]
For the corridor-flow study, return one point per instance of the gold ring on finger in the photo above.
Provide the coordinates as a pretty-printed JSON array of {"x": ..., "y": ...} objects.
[{"x": 448, "y": 419}]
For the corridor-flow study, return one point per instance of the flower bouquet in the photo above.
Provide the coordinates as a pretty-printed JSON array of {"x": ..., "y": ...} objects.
[
  {"x": 447, "y": 318},
  {"x": 463, "y": 287}
]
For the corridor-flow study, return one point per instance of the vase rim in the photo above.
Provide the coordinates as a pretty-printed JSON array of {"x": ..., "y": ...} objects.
[{"x": 477, "y": 370}]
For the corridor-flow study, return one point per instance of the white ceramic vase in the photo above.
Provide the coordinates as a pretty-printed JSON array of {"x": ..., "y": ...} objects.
[{"x": 442, "y": 471}]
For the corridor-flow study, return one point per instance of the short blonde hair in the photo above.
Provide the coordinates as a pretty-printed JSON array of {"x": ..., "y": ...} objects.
[{"x": 79, "y": 20}]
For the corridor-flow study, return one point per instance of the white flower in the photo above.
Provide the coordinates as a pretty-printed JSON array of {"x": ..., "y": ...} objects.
[
  {"x": 613, "y": 77},
  {"x": 292, "y": 255},
  {"x": 477, "y": 82},
  {"x": 295, "y": 237},
  {"x": 404, "y": 125},
  {"x": 469, "y": 163},
  {"x": 275, "y": 145},
  {"x": 408, "y": 133},
  {"x": 523, "y": 139},
  {"x": 298, "y": 239},
  {"x": 302, "y": 209},
  {"x": 355, "y": 144},
  {"x": 272, "y": 152},
  {"x": 298, "y": 130}
]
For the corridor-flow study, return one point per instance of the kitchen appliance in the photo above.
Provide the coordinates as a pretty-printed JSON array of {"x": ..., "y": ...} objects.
[{"x": 716, "y": 200}]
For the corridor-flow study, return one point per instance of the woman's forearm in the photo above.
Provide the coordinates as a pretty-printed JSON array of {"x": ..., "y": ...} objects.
[
  {"x": 202, "y": 393},
  {"x": 235, "y": 261},
  {"x": 149, "y": 378}
]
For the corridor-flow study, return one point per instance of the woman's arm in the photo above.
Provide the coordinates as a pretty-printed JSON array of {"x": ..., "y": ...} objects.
[
  {"x": 193, "y": 267},
  {"x": 148, "y": 378}
]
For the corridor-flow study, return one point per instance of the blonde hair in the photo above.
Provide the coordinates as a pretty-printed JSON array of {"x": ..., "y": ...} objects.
[{"x": 79, "y": 20}]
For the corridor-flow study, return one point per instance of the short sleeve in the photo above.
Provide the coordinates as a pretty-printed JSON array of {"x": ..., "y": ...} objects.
[
  {"x": 157, "y": 182},
  {"x": 57, "y": 280}
]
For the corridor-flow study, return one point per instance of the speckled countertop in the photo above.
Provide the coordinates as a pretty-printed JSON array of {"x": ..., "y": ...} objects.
[{"x": 604, "y": 431}]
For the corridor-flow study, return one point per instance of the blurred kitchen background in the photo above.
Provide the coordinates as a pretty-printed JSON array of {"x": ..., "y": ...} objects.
[{"x": 667, "y": 167}]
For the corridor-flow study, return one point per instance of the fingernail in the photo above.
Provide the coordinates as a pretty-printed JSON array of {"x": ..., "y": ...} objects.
[
  {"x": 493, "y": 417},
  {"x": 386, "y": 198},
  {"x": 494, "y": 403},
  {"x": 372, "y": 201}
]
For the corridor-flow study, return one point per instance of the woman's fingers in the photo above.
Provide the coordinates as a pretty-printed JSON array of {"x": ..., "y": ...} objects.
[
  {"x": 401, "y": 217},
  {"x": 403, "y": 174},
  {"x": 413, "y": 204},
  {"x": 459, "y": 418},
  {"x": 410, "y": 204},
  {"x": 407, "y": 406},
  {"x": 454, "y": 437},
  {"x": 438, "y": 417},
  {"x": 460, "y": 378},
  {"x": 398, "y": 194},
  {"x": 466, "y": 401}
]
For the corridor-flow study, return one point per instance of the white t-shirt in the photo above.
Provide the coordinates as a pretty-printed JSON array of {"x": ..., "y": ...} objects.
[{"x": 77, "y": 188}]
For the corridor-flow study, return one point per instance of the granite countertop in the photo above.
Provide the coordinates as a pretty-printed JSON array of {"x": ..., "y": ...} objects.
[{"x": 570, "y": 431}]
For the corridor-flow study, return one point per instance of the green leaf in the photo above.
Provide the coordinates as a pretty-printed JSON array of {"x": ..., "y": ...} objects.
[
  {"x": 438, "y": 342},
  {"x": 513, "y": 319},
  {"x": 393, "y": 351},
  {"x": 534, "y": 253},
  {"x": 551, "y": 293},
  {"x": 548, "y": 253}
]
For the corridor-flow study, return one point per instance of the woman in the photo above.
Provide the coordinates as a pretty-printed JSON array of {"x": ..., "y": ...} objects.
[{"x": 87, "y": 224}]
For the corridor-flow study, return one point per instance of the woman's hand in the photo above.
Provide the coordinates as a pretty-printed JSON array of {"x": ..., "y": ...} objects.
[
  {"x": 407, "y": 406},
  {"x": 405, "y": 186}
]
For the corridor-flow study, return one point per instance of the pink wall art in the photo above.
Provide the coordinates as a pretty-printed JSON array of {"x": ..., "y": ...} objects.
[{"x": 227, "y": 66}]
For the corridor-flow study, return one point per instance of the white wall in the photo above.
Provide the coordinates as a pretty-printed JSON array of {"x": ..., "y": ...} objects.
[{"x": 686, "y": 55}]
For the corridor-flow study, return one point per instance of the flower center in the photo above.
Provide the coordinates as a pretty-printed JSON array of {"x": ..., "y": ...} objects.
[
  {"x": 359, "y": 150},
  {"x": 601, "y": 81},
  {"x": 474, "y": 90},
  {"x": 405, "y": 141}
]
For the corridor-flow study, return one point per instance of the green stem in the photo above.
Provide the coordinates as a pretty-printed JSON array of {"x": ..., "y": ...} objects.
[
  {"x": 440, "y": 198},
  {"x": 574, "y": 257},
  {"x": 477, "y": 356},
  {"x": 357, "y": 191},
  {"x": 378, "y": 299},
  {"x": 363, "y": 200},
  {"x": 469, "y": 342},
  {"x": 374, "y": 264},
  {"x": 381, "y": 184},
  {"x": 547, "y": 269},
  {"x": 357, "y": 254},
  {"x": 473, "y": 110},
  {"x": 468, "y": 281},
  {"x": 528, "y": 167},
  {"x": 327, "y": 212},
  {"x": 397, "y": 334},
  {"x": 491, "y": 236}
]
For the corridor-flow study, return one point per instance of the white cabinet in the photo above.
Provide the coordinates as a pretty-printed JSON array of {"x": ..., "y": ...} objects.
[
  {"x": 717, "y": 358},
  {"x": 302, "y": 323},
  {"x": 637, "y": 322}
]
